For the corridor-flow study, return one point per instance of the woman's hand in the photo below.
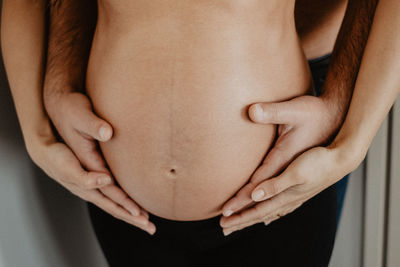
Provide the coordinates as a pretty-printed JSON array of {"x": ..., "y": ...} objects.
[
  {"x": 60, "y": 163},
  {"x": 308, "y": 175},
  {"x": 74, "y": 120},
  {"x": 304, "y": 122}
]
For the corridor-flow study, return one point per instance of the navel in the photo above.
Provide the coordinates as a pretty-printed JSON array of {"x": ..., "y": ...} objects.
[{"x": 172, "y": 173}]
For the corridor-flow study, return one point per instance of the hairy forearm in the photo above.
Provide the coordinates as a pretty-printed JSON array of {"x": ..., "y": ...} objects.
[
  {"x": 347, "y": 54},
  {"x": 71, "y": 29},
  {"x": 378, "y": 82},
  {"x": 23, "y": 48}
]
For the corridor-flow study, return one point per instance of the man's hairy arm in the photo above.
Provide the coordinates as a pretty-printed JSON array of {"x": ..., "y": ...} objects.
[
  {"x": 377, "y": 85},
  {"x": 346, "y": 56},
  {"x": 71, "y": 30}
]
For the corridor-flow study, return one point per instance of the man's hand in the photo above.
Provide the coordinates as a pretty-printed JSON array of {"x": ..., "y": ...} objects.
[
  {"x": 72, "y": 115},
  {"x": 303, "y": 122}
]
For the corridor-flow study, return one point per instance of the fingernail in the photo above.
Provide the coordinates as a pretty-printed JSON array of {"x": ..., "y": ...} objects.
[
  {"x": 104, "y": 180},
  {"x": 104, "y": 133},
  {"x": 257, "y": 195},
  {"x": 228, "y": 213}
]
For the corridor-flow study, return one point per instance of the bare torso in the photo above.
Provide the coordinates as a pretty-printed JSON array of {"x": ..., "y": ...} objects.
[{"x": 175, "y": 79}]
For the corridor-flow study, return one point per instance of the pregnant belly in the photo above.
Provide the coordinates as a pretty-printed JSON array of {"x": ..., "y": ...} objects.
[{"x": 183, "y": 143}]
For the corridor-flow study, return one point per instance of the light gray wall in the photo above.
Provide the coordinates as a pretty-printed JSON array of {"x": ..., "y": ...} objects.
[{"x": 369, "y": 233}]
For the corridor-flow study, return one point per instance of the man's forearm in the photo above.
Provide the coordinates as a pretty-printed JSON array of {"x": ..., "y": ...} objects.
[
  {"x": 23, "y": 49},
  {"x": 71, "y": 28},
  {"x": 347, "y": 54},
  {"x": 378, "y": 82}
]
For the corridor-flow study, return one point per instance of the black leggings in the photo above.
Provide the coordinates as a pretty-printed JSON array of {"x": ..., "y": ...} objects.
[{"x": 304, "y": 237}]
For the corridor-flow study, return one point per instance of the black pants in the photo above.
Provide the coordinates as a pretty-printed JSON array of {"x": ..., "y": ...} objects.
[{"x": 304, "y": 238}]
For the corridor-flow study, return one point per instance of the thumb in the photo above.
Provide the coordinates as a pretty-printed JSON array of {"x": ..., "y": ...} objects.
[
  {"x": 93, "y": 126},
  {"x": 88, "y": 123},
  {"x": 286, "y": 112}
]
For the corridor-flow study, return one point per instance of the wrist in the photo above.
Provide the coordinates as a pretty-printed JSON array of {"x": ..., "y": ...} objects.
[
  {"x": 337, "y": 106},
  {"x": 37, "y": 138},
  {"x": 347, "y": 153},
  {"x": 52, "y": 96}
]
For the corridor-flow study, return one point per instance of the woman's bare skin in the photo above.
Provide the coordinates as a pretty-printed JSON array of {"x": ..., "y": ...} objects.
[{"x": 175, "y": 79}]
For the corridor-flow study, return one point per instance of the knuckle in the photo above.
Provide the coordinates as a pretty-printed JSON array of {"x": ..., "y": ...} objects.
[
  {"x": 123, "y": 198},
  {"x": 272, "y": 112},
  {"x": 280, "y": 147},
  {"x": 85, "y": 145},
  {"x": 88, "y": 183},
  {"x": 298, "y": 177},
  {"x": 254, "y": 181},
  {"x": 271, "y": 189},
  {"x": 259, "y": 211}
]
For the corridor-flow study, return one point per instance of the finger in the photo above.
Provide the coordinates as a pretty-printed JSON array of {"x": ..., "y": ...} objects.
[
  {"x": 273, "y": 187},
  {"x": 86, "y": 122},
  {"x": 260, "y": 210},
  {"x": 68, "y": 169},
  {"x": 114, "y": 193},
  {"x": 287, "y": 112},
  {"x": 144, "y": 213},
  {"x": 278, "y": 158},
  {"x": 112, "y": 208},
  {"x": 269, "y": 218},
  {"x": 228, "y": 231},
  {"x": 240, "y": 201},
  {"x": 87, "y": 153}
]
